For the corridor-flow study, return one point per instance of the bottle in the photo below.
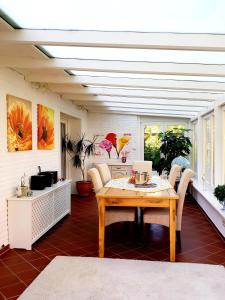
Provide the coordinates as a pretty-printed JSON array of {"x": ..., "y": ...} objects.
[{"x": 18, "y": 191}]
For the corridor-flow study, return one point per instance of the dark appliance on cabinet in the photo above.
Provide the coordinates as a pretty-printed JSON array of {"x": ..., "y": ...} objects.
[
  {"x": 52, "y": 177},
  {"x": 37, "y": 182}
]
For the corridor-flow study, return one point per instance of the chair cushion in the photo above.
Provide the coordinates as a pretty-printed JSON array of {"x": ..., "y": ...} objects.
[
  {"x": 119, "y": 214},
  {"x": 157, "y": 216}
]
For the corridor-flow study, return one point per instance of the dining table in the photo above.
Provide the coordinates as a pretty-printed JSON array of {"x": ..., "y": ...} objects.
[{"x": 119, "y": 192}]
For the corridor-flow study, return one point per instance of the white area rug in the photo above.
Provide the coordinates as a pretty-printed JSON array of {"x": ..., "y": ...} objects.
[{"x": 81, "y": 278}]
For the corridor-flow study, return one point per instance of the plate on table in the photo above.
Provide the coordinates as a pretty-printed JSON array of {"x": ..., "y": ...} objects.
[{"x": 146, "y": 185}]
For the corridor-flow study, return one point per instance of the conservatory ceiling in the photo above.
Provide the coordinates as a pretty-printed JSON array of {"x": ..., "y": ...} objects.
[{"x": 164, "y": 58}]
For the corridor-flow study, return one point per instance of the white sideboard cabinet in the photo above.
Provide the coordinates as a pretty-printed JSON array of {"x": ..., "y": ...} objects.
[
  {"x": 30, "y": 217},
  {"x": 120, "y": 170}
]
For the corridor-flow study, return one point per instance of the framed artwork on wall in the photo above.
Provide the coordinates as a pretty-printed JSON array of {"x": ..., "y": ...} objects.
[
  {"x": 45, "y": 138},
  {"x": 19, "y": 124},
  {"x": 114, "y": 145}
]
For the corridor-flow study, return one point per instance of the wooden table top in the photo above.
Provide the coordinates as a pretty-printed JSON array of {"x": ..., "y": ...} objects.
[{"x": 108, "y": 192}]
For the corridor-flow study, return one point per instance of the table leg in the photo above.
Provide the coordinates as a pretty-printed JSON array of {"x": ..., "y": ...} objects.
[
  {"x": 101, "y": 234},
  {"x": 172, "y": 229}
]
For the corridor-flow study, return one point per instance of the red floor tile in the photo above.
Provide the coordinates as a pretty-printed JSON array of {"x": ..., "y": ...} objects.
[
  {"x": 13, "y": 290},
  {"x": 28, "y": 276},
  {"x": 8, "y": 280},
  {"x": 40, "y": 262}
]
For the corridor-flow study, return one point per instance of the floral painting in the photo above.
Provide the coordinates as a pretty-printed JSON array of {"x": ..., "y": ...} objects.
[
  {"x": 19, "y": 124},
  {"x": 115, "y": 145},
  {"x": 45, "y": 128}
]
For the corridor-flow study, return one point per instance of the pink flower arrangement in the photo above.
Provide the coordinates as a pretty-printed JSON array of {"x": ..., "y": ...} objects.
[{"x": 106, "y": 145}]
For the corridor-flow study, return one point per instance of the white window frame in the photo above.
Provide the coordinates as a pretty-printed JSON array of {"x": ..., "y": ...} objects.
[
  {"x": 209, "y": 179},
  {"x": 223, "y": 145},
  {"x": 163, "y": 125},
  {"x": 194, "y": 138}
]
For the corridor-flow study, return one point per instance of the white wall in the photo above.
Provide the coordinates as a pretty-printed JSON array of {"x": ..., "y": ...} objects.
[
  {"x": 99, "y": 123},
  {"x": 14, "y": 165}
]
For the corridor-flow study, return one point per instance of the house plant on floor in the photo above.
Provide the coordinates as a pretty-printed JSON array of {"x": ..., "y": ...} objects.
[
  {"x": 79, "y": 150},
  {"x": 174, "y": 143},
  {"x": 219, "y": 193}
]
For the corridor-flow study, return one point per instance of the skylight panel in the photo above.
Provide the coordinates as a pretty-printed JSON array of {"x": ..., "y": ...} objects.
[
  {"x": 206, "y": 16},
  {"x": 148, "y": 55},
  {"x": 147, "y": 76}
]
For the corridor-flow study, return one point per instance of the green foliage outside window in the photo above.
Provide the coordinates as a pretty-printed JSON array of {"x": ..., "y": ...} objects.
[
  {"x": 162, "y": 147},
  {"x": 174, "y": 143}
]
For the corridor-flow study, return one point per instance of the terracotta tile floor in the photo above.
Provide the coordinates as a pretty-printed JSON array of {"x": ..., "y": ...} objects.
[{"x": 77, "y": 235}]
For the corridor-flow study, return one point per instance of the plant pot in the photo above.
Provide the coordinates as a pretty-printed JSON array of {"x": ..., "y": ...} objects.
[
  {"x": 223, "y": 204},
  {"x": 84, "y": 188}
]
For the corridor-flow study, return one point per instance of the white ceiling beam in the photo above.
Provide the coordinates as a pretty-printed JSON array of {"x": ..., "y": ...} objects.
[
  {"x": 92, "y": 99},
  {"x": 69, "y": 89},
  {"x": 130, "y": 82},
  {"x": 153, "y": 93},
  {"x": 141, "y": 106},
  {"x": 141, "y": 114},
  {"x": 113, "y": 66},
  {"x": 166, "y": 112},
  {"x": 144, "y": 40}
]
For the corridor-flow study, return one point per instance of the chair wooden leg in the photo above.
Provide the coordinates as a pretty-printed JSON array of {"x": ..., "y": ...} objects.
[{"x": 178, "y": 238}]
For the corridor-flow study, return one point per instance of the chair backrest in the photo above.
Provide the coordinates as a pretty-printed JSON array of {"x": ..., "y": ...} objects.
[
  {"x": 104, "y": 172},
  {"x": 182, "y": 188},
  {"x": 96, "y": 179},
  {"x": 174, "y": 173},
  {"x": 143, "y": 166}
]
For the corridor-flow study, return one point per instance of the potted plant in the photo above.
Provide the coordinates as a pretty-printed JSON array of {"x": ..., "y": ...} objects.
[
  {"x": 79, "y": 150},
  {"x": 174, "y": 143},
  {"x": 219, "y": 193}
]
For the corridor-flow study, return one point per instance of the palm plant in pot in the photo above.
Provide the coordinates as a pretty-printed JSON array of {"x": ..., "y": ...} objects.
[
  {"x": 79, "y": 150},
  {"x": 219, "y": 193}
]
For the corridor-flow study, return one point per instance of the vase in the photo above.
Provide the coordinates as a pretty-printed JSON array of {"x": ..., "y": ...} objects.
[
  {"x": 223, "y": 205},
  {"x": 123, "y": 159}
]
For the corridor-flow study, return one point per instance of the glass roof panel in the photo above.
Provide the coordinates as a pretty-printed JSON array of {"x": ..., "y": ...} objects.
[
  {"x": 147, "y": 76},
  {"x": 206, "y": 16},
  {"x": 124, "y": 54}
]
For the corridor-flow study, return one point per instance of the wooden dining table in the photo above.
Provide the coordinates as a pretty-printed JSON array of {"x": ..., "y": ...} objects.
[{"x": 110, "y": 196}]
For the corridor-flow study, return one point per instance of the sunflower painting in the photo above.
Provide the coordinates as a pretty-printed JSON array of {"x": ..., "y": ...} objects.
[
  {"x": 45, "y": 128},
  {"x": 19, "y": 124}
]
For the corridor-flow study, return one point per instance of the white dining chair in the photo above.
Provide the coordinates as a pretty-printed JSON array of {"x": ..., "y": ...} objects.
[
  {"x": 174, "y": 173},
  {"x": 143, "y": 166},
  {"x": 112, "y": 214},
  {"x": 104, "y": 172},
  {"x": 161, "y": 215}
]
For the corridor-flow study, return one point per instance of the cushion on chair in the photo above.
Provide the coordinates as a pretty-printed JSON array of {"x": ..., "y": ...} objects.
[
  {"x": 119, "y": 214},
  {"x": 161, "y": 215},
  {"x": 96, "y": 179},
  {"x": 174, "y": 173},
  {"x": 104, "y": 172},
  {"x": 156, "y": 216}
]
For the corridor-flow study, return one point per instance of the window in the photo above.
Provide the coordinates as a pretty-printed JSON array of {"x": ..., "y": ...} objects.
[
  {"x": 152, "y": 142},
  {"x": 194, "y": 148},
  {"x": 224, "y": 144},
  {"x": 175, "y": 127},
  {"x": 146, "y": 15},
  {"x": 208, "y": 152}
]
